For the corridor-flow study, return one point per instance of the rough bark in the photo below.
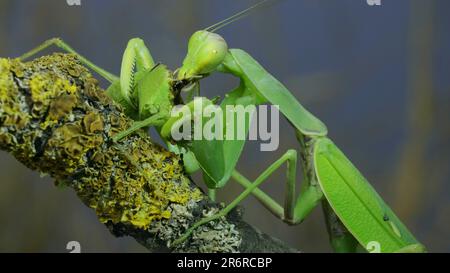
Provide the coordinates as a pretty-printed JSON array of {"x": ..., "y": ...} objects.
[{"x": 55, "y": 119}]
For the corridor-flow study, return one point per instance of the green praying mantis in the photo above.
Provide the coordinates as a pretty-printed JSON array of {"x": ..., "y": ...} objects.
[{"x": 148, "y": 91}]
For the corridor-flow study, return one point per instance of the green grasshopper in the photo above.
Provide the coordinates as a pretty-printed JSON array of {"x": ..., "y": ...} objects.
[{"x": 148, "y": 91}]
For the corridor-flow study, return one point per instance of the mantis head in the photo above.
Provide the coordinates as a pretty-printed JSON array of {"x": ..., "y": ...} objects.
[{"x": 206, "y": 51}]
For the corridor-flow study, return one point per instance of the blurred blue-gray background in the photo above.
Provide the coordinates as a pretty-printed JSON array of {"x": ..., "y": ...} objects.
[{"x": 377, "y": 76}]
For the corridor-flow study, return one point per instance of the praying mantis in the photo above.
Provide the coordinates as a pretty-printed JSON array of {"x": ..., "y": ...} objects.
[{"x": 148, "y": 91}]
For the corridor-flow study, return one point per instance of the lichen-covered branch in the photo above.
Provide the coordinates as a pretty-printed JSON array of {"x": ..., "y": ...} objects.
[{"x": 55, "y": 119}]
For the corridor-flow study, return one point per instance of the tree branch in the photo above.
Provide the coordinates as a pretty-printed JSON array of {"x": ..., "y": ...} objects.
[{"x": 54, "y": 118}]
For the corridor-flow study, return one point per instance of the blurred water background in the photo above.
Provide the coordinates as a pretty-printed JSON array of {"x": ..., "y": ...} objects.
[{"x": 377, "y": 76}]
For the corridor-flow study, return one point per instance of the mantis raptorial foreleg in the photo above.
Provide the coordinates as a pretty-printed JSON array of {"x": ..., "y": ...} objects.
[
  {"x": 58, "y": 42},
  {"x": 136, "y": 57},
  {"x": 293, "y": 212}
]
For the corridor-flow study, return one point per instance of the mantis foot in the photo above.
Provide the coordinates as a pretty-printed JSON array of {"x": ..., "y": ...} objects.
[{"x": 203, "y": 221}]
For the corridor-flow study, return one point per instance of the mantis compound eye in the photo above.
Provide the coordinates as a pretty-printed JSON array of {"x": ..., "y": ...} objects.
[{"x": 206, "y": 51}]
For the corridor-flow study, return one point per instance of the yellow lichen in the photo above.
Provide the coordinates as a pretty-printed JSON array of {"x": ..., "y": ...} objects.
[
  {"x": 11, "y": 113},
  {"x": 93, "y": 123},
  {"x": 61, "y": 106},
  {"x": 47, "y": 87}
]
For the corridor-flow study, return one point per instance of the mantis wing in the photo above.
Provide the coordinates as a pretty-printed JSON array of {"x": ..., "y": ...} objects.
[
  {"x": 356, "y": 203},
  {"x": 218, "y": 158},
  {"x": 274, "y": 92}
]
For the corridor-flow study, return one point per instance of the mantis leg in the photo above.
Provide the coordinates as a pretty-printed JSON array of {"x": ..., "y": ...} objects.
[
  {"x": 212, "y": 194},
  {"x": 64, "y": 46},
  {"x": 155, "y": 120},
  {"x": 293, "y": 212},
  {"x": 340, "y": 238}
]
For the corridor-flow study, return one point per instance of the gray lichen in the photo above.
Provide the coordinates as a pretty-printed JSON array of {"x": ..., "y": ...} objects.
[{"x": 215, "y": 236}]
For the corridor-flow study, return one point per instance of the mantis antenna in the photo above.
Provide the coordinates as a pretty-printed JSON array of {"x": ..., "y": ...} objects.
[{"x": 238, "y": 16}]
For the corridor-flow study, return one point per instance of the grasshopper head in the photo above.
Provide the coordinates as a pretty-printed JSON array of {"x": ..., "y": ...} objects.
[{"x": 206, "y": 51}]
